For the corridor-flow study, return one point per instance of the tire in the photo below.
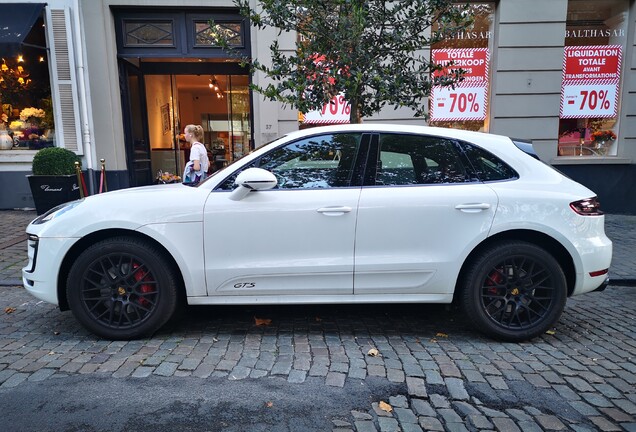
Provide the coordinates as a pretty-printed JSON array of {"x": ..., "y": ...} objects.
[
  {"x": 513, "y": 291},
  {"x": 122, "y": 288}
]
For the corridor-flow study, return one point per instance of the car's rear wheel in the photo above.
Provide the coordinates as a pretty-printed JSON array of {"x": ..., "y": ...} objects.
[
  {"x": 513, "y": 291},
  {"x": 122, "y": 288}
]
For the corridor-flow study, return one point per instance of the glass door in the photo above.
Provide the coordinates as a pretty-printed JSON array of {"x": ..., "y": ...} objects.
[
  {"x": 219, "y": 103},
  {"x": 136, "y": 126}
]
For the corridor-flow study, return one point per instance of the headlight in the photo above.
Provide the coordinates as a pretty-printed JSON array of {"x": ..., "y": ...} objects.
[{"x": 56, "y": 212}]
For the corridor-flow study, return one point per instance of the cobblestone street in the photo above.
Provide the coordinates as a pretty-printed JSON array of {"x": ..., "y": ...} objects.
[{"x": 439, "y": 374}]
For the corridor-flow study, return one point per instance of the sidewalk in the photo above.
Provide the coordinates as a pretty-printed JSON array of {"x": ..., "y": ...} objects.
[{"x": 620, "y": 228}]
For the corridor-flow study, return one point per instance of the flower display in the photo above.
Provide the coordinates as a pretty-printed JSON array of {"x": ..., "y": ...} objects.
[
  {"x": 603, "y": 135},
  {"x": 167, "y": 177},
  {"x": 31, "y": 113},
  {"x": 16, "y": 124}
]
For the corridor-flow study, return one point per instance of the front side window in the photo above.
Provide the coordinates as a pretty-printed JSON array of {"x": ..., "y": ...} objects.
[
  {"x": 323, "y": 161},
  {"x": 415, "y": 160}
]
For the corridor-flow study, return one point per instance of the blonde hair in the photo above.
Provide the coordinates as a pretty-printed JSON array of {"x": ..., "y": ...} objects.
[{"x": 195, "y": 130}]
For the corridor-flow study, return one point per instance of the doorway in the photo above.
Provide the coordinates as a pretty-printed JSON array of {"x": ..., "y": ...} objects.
[
  {"x": 220, "y": 103},
  {"x": 173, "y": 72}
]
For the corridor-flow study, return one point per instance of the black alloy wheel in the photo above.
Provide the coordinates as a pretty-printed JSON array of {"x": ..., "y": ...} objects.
[
  {"x": 514, "y": 291},
  {"x": 122, "y": 288}
]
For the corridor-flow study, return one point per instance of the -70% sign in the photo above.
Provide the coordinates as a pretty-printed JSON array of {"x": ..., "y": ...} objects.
[
  {"x": 337, "y": 105},
  {"x": 589, "y": 101},
  {"x": 458, "y": 104},
  {"x": 337, "y": 110}
]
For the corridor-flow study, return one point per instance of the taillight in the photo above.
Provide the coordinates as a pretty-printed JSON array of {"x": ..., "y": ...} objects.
[{"x": 587, "y": 207}]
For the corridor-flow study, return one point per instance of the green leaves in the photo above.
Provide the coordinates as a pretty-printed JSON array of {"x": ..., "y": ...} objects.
[{"x": 375, "y": 52}]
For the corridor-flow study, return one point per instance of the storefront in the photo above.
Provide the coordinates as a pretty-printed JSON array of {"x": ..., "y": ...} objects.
[
  {"x": 38, "y": 90},
  {"x": 174, "y": 74},
  {"x": 557, "y": 73}
]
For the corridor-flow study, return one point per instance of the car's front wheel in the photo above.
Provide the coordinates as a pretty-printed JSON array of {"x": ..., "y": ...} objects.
[
  {"x": 513, "y": 291},
  {"x": 122, "y": 288}
]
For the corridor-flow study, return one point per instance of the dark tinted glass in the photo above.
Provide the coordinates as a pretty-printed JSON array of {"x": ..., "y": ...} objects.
[
  {"x": 415, "y": 159},
  {"x": 323, "y": 161},
  {"x": 487, "y": 166}
]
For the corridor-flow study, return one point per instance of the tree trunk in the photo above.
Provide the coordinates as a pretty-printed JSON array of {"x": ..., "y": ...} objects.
[{"x": 355, "y": 116}]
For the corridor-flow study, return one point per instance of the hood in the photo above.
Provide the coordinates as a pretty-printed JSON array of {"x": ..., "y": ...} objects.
[{"x": 127, "y": 209}]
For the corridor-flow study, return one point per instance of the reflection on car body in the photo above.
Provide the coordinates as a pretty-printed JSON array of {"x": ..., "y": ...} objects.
[{"x": 342, "y": 214}]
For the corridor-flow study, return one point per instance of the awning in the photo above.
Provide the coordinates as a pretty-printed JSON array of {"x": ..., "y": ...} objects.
[{"x": 16, "y": 21}]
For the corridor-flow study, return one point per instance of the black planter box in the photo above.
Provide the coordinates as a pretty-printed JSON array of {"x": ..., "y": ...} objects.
[{"x": 50, "y": 191}]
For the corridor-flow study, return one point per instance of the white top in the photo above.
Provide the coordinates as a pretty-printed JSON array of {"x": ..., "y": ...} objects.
[{"x": 199, "y": 152}]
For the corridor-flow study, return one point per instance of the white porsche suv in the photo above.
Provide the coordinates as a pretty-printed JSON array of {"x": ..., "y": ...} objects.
[{"x": 342, "y": 214}]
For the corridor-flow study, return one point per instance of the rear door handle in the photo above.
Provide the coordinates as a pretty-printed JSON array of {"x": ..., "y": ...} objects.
[
  {"x": 334, "y": 211},
  {"x": 473, "y": 207}
]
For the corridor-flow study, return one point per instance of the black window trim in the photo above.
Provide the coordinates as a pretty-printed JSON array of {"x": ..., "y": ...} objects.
[
  {"x": 357, "y": 170},
  {"x": 371, "y": 167}
]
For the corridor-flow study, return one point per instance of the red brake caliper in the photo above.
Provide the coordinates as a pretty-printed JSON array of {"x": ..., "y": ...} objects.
[
  {"x": 494, "y": 278},
  {"x": 144, "y": 288}
]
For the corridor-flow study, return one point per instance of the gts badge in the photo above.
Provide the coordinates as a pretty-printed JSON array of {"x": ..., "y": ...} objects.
[{"x": 245, "y": 285}]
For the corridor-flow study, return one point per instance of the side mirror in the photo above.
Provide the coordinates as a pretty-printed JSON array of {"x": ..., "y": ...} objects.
[{"x": 252, "y": 179}]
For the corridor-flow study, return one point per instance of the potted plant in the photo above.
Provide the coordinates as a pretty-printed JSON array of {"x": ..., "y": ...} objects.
[{"x": 54, "y": 180}]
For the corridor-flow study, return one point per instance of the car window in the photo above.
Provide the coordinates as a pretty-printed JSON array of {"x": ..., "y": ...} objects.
[
  {"x": 322, "y": 161},
  {"x": 487, "y": 166},
  {"x": 415, "y": 159}
]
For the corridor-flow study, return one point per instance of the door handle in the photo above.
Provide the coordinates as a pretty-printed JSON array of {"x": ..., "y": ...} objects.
[
  {"x": 473, "y": 207},
  {"x": 334, "y": 211}
]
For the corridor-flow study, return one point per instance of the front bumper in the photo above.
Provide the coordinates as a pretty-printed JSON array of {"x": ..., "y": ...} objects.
[{"x": 40, "y": 275}]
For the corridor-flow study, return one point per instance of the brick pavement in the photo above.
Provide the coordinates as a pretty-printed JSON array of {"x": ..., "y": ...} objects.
[{"x": 580, "y": 378}]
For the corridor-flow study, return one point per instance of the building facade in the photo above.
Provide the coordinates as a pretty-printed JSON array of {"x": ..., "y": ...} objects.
[{"x": 119, "y": 79}]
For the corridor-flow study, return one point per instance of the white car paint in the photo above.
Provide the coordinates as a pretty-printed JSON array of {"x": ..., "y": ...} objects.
[{"x": 350, "y": 244}]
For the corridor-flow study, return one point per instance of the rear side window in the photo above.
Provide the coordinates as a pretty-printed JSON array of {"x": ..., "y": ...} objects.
[
  {"x": 417, "y": 160},
  {"x": 487, "y": 166}
]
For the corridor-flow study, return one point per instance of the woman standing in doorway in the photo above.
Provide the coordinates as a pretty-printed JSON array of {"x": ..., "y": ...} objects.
[{"x": 197, "y": 168}]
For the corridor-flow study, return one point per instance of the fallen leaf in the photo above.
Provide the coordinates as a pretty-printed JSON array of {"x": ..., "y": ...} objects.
[
  {"x": 9, "y": 310},
  {"x": 269, "y": 404},
  {"x": 262, "y": 321},
  {"x": 373, "y": 352},
  {"x": 442, "y": 335},
  {"x": 550, "y": 332},
  {"x": 385, "y": 406}
]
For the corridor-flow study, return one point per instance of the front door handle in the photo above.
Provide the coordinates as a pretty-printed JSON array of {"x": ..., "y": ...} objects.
[
  {"x": 473, "y": 207},
  {"x": 334, "y": 211}
]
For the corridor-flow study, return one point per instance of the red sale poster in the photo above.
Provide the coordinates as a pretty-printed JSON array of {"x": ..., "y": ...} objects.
[
  {"x": 467, "y": 101},
  {"x": 591, "y": 75}
]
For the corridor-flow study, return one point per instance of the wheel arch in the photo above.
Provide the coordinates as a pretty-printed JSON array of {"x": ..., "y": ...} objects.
[
  {"x": 97, "y": 236},
  {"x": 558, "y": 251}
]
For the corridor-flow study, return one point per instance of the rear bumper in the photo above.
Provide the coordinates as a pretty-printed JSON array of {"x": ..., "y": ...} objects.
[{"x": 604, "y": 285}]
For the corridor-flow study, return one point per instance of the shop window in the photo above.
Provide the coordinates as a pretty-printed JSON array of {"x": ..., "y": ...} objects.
[
  {"x": 148, "y": 33},
  {"x": 595, "y": 41},
  {"x": 465, "y": 106},
  {"x": 26, "y": 119},
  {"x": 207, "y": 35}
]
